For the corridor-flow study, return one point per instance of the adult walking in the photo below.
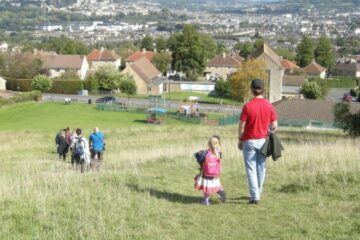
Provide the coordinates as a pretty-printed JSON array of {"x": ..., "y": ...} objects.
[
  {"x": 60, "y": 142},
  {"x": 97, "y": 145},
  {"x": 80, "y": 149},
  {"x": 257, "y": 118}
]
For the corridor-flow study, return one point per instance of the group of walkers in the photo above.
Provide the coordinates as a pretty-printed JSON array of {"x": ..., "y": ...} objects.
[
  {"x": 257, "y": 120},
  {"x": 84, "y": 154}
]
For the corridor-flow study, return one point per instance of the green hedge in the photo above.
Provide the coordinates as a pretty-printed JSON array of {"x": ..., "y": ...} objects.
[
  {"x": 18, "y": 85},
  {"x": 21, "y": 97},
  {"x": 59, "y": 86}
]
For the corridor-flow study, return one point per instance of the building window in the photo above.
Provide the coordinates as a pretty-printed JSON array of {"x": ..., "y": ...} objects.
[{"x": 149, "y": 89}]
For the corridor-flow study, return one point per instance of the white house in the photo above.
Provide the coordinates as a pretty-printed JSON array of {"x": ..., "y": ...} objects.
[
  {"x": 58, "y": 64},
  {"x": 2, "y": 84}
]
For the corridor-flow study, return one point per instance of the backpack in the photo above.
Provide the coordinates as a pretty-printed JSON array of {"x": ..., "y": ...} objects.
[
  {"x": 211, "y": 166},
  {"x": 79, "y": 149},
  {"x": 200, "y": 156}
]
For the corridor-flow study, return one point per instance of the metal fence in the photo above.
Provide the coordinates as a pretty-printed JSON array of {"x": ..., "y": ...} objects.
[{"x": 229, "y": 120}]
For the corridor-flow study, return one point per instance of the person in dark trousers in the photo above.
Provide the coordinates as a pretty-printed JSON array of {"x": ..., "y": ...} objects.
[
  {"x": 257, "y": 118},
  {"x": 60, "y": 142},
  {"x": 97, "y": 145}
]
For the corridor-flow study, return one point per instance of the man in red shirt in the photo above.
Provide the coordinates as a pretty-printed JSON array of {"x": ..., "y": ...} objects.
[{"x": 257, "y": 118}]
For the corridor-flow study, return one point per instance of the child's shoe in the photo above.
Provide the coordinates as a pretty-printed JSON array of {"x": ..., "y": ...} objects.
[{"x": 206, "y": 202}]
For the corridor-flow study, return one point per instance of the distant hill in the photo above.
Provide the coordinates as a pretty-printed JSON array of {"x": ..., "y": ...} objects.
[{"x": 327, "y": 3}]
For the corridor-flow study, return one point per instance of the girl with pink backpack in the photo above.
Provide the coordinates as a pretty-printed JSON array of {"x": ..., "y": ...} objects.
[{"x": 208, "y": 180}]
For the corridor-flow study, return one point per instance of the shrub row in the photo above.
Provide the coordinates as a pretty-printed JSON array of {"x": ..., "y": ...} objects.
[
  {"x": 22, "y": 97},
  {"x": 59, "y": 86}
]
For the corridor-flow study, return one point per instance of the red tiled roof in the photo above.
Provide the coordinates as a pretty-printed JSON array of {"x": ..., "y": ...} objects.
[
  {"x": 140, "y": 54},
  {"x": 314, "y": 68},
  {"x": 288, "y": 65},
  {"x": 227, "y": 60},
  {"x": 145, "y": 69},
  {"x": 102, "y": 55}
]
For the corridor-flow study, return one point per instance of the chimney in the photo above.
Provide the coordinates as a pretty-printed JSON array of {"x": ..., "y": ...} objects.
[
  {"x": 102, "y": 49},
  {"x": 144, "y": 50},
  {"x": 224, "y": 55},
  {"x": 155, "y": 50},
  {"x": 281, "y": 58},
  {"x": 313, "y": 61}
]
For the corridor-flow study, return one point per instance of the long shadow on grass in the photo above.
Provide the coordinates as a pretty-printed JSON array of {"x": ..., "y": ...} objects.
[{"x": 169, "y": 196}]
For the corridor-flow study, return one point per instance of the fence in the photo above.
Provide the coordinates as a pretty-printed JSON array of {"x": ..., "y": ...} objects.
[
  {"x": 229, "y": 120},
  {"x": 234, "y": 119},
  {"x": 119, "y": 108}
]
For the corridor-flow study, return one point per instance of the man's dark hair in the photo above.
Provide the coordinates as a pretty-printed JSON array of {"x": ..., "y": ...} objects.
[
  {"x": 257, "y": 92},
  {"x": 78, "y": 131}
]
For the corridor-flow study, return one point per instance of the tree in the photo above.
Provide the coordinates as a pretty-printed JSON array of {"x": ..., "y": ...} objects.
[
  {"x": 147, "y": 43},
  {"x": 108, "y": 77},
  {"x": 128, "y": 87},
  {"x": 244, "y": 49},
  {"x": 20, "y": 66},
  {"x": 348, "y": 122},
  {"x": 189, "y": 51},
  {"x": 324, "y": 53},
  {"x": 240, "y": 80},
  {"x": 305, "y": 52},
  {"x": 160, "y": 43},
  {"x": 92, "y": 84},
  {"x": 311, "y": 90},
  {"x": 41, "y": 83},
  {"x": 285, "y": 53},
  {"x": 162, "y": 61},
  {"x": 69, "y": 75},
  {"x": 222, "y": 88}
]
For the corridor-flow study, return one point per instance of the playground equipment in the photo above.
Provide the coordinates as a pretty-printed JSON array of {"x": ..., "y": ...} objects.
[{"x": 156, "y": 115}]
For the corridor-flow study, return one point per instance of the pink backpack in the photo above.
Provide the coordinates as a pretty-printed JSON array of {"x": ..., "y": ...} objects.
[{"x": 211, "y": 167}]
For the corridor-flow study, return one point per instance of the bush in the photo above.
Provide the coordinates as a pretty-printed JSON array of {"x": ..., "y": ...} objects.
[
  {"x": 311, "y": 90},
  {"x": 348, "y": 122},
  {"x": 22, "y": 97},
  {"x": 42, "y": 83}
]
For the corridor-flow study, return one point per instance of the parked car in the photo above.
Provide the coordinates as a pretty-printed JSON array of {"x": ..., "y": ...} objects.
[{"x": 106, "y": 99}]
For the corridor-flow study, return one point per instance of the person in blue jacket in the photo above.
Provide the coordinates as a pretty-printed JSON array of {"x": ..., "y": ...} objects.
[{"x": 97, "y": 146}]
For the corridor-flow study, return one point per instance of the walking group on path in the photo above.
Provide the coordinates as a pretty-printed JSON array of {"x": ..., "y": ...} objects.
[
  {"x": 84, "y": 154},
  {"x": 258, "y": 122}
]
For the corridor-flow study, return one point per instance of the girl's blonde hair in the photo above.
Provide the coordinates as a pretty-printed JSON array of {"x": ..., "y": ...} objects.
[{"x": 214, "y": 145}]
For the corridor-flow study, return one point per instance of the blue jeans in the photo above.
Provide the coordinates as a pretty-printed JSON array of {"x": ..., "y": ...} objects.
[{"x": 255, "y": 166}]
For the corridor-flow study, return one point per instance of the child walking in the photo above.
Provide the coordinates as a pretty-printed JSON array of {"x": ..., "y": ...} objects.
[{"x": 208, "y": 180}]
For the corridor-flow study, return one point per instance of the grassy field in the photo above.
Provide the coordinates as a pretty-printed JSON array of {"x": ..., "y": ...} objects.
[{"x": 145, "y": 188}]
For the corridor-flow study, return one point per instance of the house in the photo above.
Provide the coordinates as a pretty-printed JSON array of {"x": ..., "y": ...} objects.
[
  {"x": 222, "y": 66},
  {"x": 351, "y": 69},
  {"x": 308, "y": 113},
  {"x": 140, "y": 54},
  {"x": 147, "y": 77},
  {"x": 101, "y": 57},
  {"x": 291, "y": 86},
  {"x": 288, "y": 66},
  {"x": 2, "y": 84},
  {"x": 315, "y": 70},
  {"x": 57, "y": 64},
  {"x": 274, "y": 71}
]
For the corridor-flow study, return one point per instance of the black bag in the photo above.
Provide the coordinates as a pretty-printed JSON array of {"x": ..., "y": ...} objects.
[{"x": 200, "y": 156}]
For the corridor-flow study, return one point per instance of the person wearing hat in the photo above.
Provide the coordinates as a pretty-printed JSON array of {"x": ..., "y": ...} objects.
[{"x": 257, "y": 118}]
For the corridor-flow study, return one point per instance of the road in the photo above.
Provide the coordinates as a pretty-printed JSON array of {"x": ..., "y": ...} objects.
[{"x": 141, "y": 102}]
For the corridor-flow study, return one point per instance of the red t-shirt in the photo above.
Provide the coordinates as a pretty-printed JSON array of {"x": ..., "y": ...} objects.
[{"x": 257, "y": 115}]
